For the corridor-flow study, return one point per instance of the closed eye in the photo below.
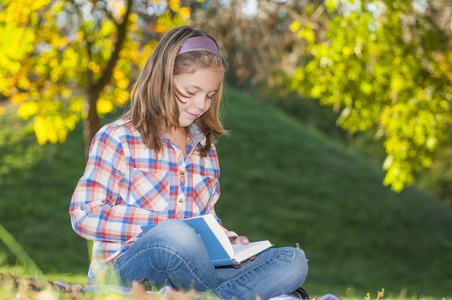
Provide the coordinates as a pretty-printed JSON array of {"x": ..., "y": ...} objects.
[{"x": 211, "y": 95}]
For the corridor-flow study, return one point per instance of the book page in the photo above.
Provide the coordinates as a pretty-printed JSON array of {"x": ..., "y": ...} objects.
[{"x": 243, "y": 252}]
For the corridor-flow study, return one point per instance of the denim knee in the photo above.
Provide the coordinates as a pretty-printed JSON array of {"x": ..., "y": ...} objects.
[
  {"x": 170, "y": 253},
  {"x": 297, "y": 265},
  {"x": 174, "y": 234},
  {"x": 302, "y": 263}
]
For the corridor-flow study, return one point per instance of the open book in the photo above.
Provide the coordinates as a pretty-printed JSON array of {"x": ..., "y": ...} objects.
[{"x": 219, "y": 248}]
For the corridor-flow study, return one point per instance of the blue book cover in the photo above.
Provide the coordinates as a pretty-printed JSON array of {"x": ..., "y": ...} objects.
[{"x": 219, "y": 248}]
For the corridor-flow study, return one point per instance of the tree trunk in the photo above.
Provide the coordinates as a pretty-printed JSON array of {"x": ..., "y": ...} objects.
[{"x": 92, "y": 123}]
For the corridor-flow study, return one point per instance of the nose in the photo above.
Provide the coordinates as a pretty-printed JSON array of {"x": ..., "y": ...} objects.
[{"x": 200, "y": 102}]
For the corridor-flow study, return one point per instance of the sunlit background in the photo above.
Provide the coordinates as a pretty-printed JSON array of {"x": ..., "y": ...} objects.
[{"x": 340, "y": 119}]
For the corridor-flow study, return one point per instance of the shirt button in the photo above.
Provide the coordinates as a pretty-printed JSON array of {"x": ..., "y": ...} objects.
[
  {"x": 181, "y": 200},
  {"x": 83, "y": 207},
  {"x": 182, "y": 173}
]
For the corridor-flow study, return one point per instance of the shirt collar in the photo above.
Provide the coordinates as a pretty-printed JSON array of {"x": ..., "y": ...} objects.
[
  {"x": 196, "y": 134},
  {"x": 197, "y": 137}
]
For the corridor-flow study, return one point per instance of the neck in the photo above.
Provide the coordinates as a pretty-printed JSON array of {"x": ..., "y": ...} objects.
[{"x": 178, "y": 136}]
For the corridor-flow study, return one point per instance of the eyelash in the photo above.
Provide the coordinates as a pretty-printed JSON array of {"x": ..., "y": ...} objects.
[{"x": 192, "y": 94}]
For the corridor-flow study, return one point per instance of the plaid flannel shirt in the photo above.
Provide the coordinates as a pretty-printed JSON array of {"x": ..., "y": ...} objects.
[{"x": 125, "y": 186}]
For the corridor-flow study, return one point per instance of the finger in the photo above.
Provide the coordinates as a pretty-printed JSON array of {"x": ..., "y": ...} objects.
[{"x": 242, "y": 240}]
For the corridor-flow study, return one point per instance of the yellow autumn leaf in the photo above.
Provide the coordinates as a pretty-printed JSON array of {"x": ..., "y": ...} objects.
[
  {"x": 121, "y": 96},
  {"x": 24, "y": 83},
  {"x": 38, "y": 127},
  {"x": 58, "y": 8},
  {"x": 160, "y": 28},
  {"x": 134, "y": 27},
  {"x": 133, "y": 17},
  {"x": 76, "y": 105},
  {"x": 52, "y": 136},
  {"x": 123, "y": 83},
  {"x": 37, "y": 4},
  {"x": 50, "y": 128},
  {"x": 53, "y": 63},
  {"x": 307, "y": 33},
  {"x": 28, "y": 109},
  {"x": 184, "y": 12},
  {"x": 104, "y": 106},
  {"x": 346, "y": 51},
  {"x": 14, "y": 67},
  {"x": 71, "y": 121},
  {"x": 79, "y": 36},
  {"x": 397, "y": 82},
  {"x": 61, "y": 42},
  {"x": 330, "y": 5},
  {"x": 18, "y": 98},
  {"x": 94, "y": 67},
  {"x": 317, "y": 91},
  {"x": 366, "y": 87},
  {"x": 2, "y": 110},
  {"x": 174, "y": 5},
  {"x": 294, "y": 26},
  {"x": 117, "y": 74},
  {"x": 107, "y": 28}
]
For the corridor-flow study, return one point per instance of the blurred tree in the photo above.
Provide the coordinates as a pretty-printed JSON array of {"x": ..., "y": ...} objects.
[
  {"x": 387, "y": 67},
  {"x": 440, "y": 12},
  {"x": 256, "y": 35},
  {"x": 261, "y": 50},
  {"x": 67, "y": 60}
]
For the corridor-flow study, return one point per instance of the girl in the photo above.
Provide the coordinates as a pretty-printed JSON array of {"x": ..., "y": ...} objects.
[{"x": 158, "y": 165}]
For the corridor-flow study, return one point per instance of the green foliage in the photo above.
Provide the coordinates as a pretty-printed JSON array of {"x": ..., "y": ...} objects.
[
  {"x": 387, "y": 69},
  {"x": 52, "y": 51}
]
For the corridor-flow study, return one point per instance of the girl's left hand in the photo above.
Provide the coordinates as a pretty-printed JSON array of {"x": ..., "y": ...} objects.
[
  {"x": 237, "y": 240},
  {"x": 241, "y": 240}
]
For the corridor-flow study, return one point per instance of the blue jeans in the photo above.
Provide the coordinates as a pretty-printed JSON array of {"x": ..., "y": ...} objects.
[{"x": 173, "y": 254}]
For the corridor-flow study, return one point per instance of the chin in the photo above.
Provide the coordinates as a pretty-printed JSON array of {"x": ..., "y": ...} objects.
[{"x": 185, "y": 124}]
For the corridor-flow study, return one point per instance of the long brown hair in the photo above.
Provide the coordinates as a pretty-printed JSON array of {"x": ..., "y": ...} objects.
[{"x": 154, "y": 99}]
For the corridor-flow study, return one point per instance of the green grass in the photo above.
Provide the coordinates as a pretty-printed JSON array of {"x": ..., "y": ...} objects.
[
  {"x": 280, "y": 181},
  {"x": 37, "y": 183}
]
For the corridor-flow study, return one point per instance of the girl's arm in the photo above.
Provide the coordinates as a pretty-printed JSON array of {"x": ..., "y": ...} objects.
[{"x": 97, "y": 210}]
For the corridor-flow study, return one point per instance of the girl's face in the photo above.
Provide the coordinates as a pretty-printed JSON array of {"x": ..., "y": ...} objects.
[{"x": 196, "y": 92}]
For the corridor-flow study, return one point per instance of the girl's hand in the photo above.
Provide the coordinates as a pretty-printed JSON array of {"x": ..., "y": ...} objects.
[
  {"x": 241, "y": 240},
  {"x": 237, "y": 240}
]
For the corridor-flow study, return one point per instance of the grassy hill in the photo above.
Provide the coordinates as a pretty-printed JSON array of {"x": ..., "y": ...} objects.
[{"x": 280, "y": 181}]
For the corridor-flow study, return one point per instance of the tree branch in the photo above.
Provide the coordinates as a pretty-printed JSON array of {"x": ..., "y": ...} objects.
[
  {"x": 88, "y": 44},
  {"x": 121, "y": 35}
]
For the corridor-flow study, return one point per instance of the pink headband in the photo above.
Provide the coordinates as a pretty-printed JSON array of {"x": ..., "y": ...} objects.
[{"x": 198, "y": 43}]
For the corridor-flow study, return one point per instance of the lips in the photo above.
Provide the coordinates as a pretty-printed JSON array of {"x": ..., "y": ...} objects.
[{"x": 192, "y": 116}]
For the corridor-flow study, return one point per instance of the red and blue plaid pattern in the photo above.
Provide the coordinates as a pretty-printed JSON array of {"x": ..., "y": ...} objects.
[{"x": 126, "y": 185}]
